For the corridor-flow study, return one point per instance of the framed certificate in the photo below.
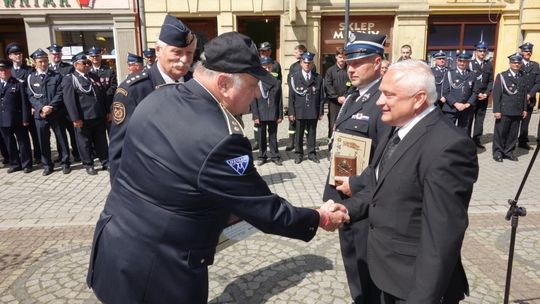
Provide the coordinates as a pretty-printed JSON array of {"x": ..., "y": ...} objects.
[{"x": 350, "y": 155}]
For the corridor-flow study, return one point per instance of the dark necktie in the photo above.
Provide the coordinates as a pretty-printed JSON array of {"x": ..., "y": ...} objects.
[
  {"x": 41, "y": 76},
  {"x": 389, "y": 150}
]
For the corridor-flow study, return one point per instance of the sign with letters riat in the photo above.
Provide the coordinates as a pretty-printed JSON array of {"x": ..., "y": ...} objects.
[{"x": 63, "y": 4}]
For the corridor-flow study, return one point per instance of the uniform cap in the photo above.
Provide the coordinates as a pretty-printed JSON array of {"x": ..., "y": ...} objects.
[
  {"x": 132, "y": 58},
  {"x": 266, "y": 60},
  {"x": 79, "y": 56},
  {"x": 39, "y": 53},
  {"x": 55, "y": 48},
  {"x": 362, "y": 45},
  {"x": 515, "y": 57},
  {"x": 307, "y": 56},
  {"x": 149, "y": 52},
  {"x": 464, "y": 56},
  {"x": 265, "y": 46},
  {"x": 175, "y": 33},
  {"x": 527, "y": 46},
  {"x": 94, "y": 51},
  {"x": 13, "y": 47},
  {"x": 233, "y": 52},
  {"x": 481, "y": 45},
  {"x": 5, "y": 64},
  {"x": 439, "y": 54}
]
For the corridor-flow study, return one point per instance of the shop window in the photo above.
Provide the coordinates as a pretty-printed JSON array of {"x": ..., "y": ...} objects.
[{"x": 75, "y": 41}]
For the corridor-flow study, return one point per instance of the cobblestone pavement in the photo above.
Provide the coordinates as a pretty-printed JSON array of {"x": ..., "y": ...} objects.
[{"x": 46, "y": 226}]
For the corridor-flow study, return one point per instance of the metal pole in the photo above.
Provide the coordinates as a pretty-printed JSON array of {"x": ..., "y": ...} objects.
[{"x": 346, "y": 30}]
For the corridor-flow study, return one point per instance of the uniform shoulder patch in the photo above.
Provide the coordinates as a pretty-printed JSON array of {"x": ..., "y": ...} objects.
[
  {"x": 122, "y": 91},
  {"x": 119, "y": 112},
  {"x": 239, "y": 164}
]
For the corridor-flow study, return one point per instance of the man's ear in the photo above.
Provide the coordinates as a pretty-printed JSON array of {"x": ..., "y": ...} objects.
[
  {"x": 420, "y": 100},
  {"x": 223, "y": 84}
]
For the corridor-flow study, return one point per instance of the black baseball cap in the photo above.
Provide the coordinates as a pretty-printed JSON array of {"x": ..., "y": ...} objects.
[
  {"x": 5, "y": 64},
  {"x": 233, "y": 52}
]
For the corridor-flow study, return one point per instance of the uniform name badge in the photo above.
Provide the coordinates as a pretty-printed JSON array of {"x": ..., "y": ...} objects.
[{"x": 350, "y": 155}]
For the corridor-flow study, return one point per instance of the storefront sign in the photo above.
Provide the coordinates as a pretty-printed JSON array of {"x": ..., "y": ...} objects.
[{"x": 64, "y": 4}]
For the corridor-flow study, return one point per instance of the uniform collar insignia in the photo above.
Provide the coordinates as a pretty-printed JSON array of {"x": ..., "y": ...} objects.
[{"x": 239, "y": 164}]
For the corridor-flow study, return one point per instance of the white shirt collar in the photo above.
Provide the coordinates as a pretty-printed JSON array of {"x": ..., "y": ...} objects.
[
  {"x": 364, "y": 89},
  {"x": 305, "y": 74},
  {"x": 83, "y": 75},
  {"x": 408, "y": 126},
  {"x": 166, "y": 77}
]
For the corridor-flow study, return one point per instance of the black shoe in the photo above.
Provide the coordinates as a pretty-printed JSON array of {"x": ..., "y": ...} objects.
[
  {"x": 27, "y": 170},
  {"x": 91, "y": 171},
  {"x": 261, "y": 162},
  {"x": 47, "y": 171},
  {"x": 314, "y": 159},
  {"x": 512, "y": 157},
  {"x": 289, "y": 148},
  {"x": 298, "y": 160},
  {"x": 479, "y": 144},
  {"x": 12, "y": 169},
  {"x": 498, "y": 158},
  {"x": 66, "y": 170},
  {"x": 525, "y": 146},
  {"x": 277, "y": 162}
]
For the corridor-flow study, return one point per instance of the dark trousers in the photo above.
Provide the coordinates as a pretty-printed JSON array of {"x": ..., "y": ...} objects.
[
  {"x": 333, "y": 111},
  {"x": 35, "y": 140},
  {"x": 311, "y": 126},
  {"x": 93, "y": 135},
  {"x": 67, "y": 125},
  {"x": 256, "y": 132},
  {"x": 353, "y": 243},
  {"x": 18, "y": 144},
  {"x": 270, "y": 128},
  {"x": 524, "y": 127},
  {"x": 4, "y": 150},
  {"x": 44, "y": 127},
  {"x": 477, "y": 129},
  {"x": 292, "y": 132},
  {"x": 462, "y": 118},
  {"x": 505, "y": 135}
]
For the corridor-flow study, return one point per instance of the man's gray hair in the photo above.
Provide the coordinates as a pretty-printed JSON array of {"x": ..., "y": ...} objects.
[
  {"x": 416, "y": 75},
  {"x": 200, "y": 69}
]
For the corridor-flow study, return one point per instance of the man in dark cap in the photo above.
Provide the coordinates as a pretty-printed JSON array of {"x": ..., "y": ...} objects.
[
  {"x": 150, "y": 57},
  {"x": 360, "y": 117},
  {"x": 56, "y": 64},
  {"x": 267, "y": 111},
  {"x": 175, "y": 190},
  {"x": 306, "y": 107},
  {"x": 175, "y": 49},
  {"x": 106, "y": 76},
  {"x": 85, "y": 101},
  {"x": 509, "y": 108},
  {"x": 459, "y": 91},
  {"x": 135, "y": 64},
  {"x": 44, "y": 88},
  {"x": 440, "y": 71},
  {"x": 531, "y": 77},
  {"x": 265, "y": 50},
  {"x": 14, "y": 117},
  {"x": 483, "y": 70},
  {"x": 21, "y": 71}
]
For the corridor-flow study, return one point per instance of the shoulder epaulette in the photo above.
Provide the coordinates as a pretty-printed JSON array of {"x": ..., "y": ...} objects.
[
  {"x": 136, "y": 78},
  {"x": 232, "y": 124}
]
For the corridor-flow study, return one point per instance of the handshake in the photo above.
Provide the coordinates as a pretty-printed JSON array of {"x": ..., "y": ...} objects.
[{"x": 332, "y": 216}]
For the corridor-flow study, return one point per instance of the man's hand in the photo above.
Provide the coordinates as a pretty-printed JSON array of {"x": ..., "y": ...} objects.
[
  {"x": 292, "y": 118},
  {"x": 279, "y": 120},
  {"x": 78, "y": 124},
  {"x": 482, "y": 96},
  {"x": 332, "y": 216},
  {"x": 524, "y": 114},
  {"x": 256, "y": 121},
  {"x": 443, "y": 100},
  {"x": 342, "y": 185},
  {"x": 459, "y": 106},
  {"x": 497, "y": 115},
  {"x": 341, "y": 99}
]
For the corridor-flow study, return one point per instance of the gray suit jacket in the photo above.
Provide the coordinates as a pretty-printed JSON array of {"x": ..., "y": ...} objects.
[{"x": 417, "y": 211}]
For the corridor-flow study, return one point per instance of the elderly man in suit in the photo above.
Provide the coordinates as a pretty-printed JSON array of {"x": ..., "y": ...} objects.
[{"x": 419, "y": 185}]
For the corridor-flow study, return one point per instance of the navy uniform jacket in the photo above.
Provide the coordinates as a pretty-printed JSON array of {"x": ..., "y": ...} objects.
[
  {"x": 46, "y": 92},
  {"x": 306, "y": 98},
  {"x": 484, "y": 76},
  {"x": 108, "y": 80},
  {"x": 180, "y": 179},
  {"x": 21, "y": 73},
  {"x": 14, "y": 105},
  {"x": 459, "y": 88},
  {"x": 360, "y": 117},
  {"x": 87, "y": 104},
  {"x": 63, "y": 68},
  {"x": 440, "y": 76},
  {"x": 128, "y": 95},
  {"x": 417, "y": 211},
  {"x": 509, "y": 94},
  {"x": 271, "y": 107},
  {"x": 531, "y": 77}
]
